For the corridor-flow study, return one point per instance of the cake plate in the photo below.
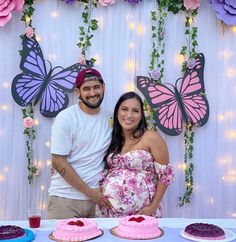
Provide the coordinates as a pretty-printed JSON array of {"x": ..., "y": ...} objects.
[
  {"x": 52, "y": 237},
  {"x": 28, "y": 237},
  {"x": 113, "y": 232},
  {"x": 229, "y": 236}
]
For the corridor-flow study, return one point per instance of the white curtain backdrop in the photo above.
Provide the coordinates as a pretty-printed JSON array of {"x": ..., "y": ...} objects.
[{"x": 122, "y": 47}]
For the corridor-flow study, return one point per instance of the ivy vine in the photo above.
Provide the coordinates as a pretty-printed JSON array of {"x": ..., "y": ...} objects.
[
  {"x": 86, "y": 32},
  {"x": 189, "y": 52}
]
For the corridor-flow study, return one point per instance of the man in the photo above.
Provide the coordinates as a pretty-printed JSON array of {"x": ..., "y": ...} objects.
[{"x": 80, "y": 136}]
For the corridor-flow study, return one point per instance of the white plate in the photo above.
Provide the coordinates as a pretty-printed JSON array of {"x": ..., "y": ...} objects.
[{"x": 230, "y": 236}]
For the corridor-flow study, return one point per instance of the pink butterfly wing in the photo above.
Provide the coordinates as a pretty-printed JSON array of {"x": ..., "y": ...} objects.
[
  {"x": 193, "y": 102},
  {"x": 168, "y": 116}
]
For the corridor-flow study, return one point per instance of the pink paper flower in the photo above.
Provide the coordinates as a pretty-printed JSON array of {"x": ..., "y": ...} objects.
[
  {"x": 28, "y": 122},
  {"x": 105, "y": 3},
  {"x": 29, "y": 32},
  {"x": 6, "y": 9},
  {"x": 191, "y": 4},
  {"x": 82, "y": 61}
]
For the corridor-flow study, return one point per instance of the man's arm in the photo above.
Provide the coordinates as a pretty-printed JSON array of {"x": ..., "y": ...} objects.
[{"x": 61, "y": 165}]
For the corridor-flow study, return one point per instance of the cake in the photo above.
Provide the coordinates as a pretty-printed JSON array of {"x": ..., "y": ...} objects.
[
  {"x": 11, "y": 232},
  {"x": 76, "y": 229},
  {"x": 137, "y": 227},
  {"x": 205, "y": 231}
]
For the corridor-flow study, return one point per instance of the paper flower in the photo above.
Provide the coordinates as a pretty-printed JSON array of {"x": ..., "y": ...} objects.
[
  {"x": 29, "y": 32},
  {"x": 105, "y": 3},
  {"x": 155, "y": 74},
  {"x": 191, "y": 63},
  {"x": 6, "y": 9},
  {"x": 28, "y": 122},
  {"x": 69, "y": 1},
  {"x": 82, "y": 61},
  {"x": 225, "y": 10},
  {"x": 133, "y": 1},
  {"x": 191, "y": 4}
]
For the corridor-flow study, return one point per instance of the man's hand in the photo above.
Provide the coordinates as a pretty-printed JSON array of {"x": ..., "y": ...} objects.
[{"x": 97, "y": 196}]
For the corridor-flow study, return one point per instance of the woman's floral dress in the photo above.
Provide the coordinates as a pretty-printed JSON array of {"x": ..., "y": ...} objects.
[{"x": 130, "y": 184}]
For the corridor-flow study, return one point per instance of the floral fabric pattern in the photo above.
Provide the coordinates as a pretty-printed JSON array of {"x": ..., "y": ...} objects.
[{"x": 130, "y": 184}]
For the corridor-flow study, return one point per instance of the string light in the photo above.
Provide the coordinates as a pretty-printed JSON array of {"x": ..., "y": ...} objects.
[
  {"x": 178, "y": 59},
  {"x": 48, "y": 144},
  {"x": 36, "y": 122},
  {"x": 130, "y": 86},
  {"x": 220, "y": 117},
  {"x": 2, "y": 177},
  {"x": 4, "y": 107},
  {"x": 131, "y": 45},
  {"x": 131, "y": 25},
  {"x": 140, "y": 29},
  {"x": 233, "y": 28},
  {"x": 42, "y": 188},
  {"x": 230, "y": 72},
  {"x": 6, "y": 84},
  {"x": 100, "y": 22},
  {"x": 211, "y": 200},
  {"x": 182, "y": 165},
  {"x": 54, "y": 14},
  {"x": 6, "y": 169},
  {"x": 48, "y": 162},
  {"x": 38, "y": 38},
  {"x": 52, "y": 56},
  {"x": 225, "y": 54},
  {"x": 231, "y": 134},
  {"x": 130, "y": 65}
]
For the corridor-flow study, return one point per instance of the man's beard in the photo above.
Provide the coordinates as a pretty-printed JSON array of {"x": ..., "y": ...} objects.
[{"x": 90, "y": 105}]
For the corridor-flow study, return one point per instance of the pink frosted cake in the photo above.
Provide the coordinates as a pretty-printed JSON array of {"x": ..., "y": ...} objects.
[
  {"x": 204, "y": 231},
  {"x": 76, "y": 229},
  {"x": 137, "y": 227},
  {"x": 8, "y": 232}
]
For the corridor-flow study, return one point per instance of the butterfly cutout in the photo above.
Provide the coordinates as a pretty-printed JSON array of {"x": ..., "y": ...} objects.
[
  {"x": 184, "y": 102},
  {"x": 40, "y": 82}
]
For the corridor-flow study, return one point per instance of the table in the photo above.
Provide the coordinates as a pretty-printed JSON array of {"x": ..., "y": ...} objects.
[{"x": 171, "y": 227}]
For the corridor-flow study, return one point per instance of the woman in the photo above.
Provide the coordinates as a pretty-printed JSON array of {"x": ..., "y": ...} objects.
[{"x": 137, "y": 161}]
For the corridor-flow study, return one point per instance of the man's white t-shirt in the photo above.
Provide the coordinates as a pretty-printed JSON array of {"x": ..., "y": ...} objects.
[{"x": 83, "y": 138}]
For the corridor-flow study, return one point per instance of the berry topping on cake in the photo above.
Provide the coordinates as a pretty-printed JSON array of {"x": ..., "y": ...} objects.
[
  {"x": 137, "y": 219},
  {"x": 77, "y": 223}
]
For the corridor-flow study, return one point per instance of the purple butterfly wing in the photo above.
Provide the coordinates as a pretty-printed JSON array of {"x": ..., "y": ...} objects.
[
  {"x": 55, "y": 97},
  {"x": 192, "y": 94},
  {"x": 168, "y": 116},
  {"x": 37, "y": 82}
]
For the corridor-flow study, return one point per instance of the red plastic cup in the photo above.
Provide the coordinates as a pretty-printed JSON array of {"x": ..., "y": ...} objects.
[{"x": 34, "y": 216}]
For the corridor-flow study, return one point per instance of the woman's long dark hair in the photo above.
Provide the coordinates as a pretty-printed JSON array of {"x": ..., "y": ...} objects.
[{"x": 117, "y": 140}]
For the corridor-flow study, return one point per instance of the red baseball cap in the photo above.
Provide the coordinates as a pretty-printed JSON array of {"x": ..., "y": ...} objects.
[{"x": 87, "y": 73}]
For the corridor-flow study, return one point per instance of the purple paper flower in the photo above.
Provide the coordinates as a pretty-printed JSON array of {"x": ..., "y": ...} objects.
[
  {"x": 69, "y": 1},
  {"x": 155, "y": 74},
  {"x": 225, "y": 10},
  {"x": 133, "y": 1},
  {"x": 191, "y": 63}
]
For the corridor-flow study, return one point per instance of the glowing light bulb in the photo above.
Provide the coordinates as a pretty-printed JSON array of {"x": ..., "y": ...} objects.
[
  {"x": 27, "y": 20},
  {"x": 211, "y": 200},
  {"x": 36, "y": 122},
  {"x": 178, "y": 59},
  {"x": 231, "y": 134},
  {"x": 182, "y": 165},
  {"x": 220, "y": 117},
  {"x": 6, "y": 84},
  {"x": 38, "y": 38},
  {"x": 130, "y": 87},
  {"x": 4, "y": 107},
  {"x": 131, "y": 45},
  {"x": 2, "y": 178},
  {"x": 98, "y": 59},
  {"x": 130, "y": 65},
  {"x": 6, "y": 169},
  {"x": 225, "y": 54},
  {"x": 48, "y": 144},
  {"x": 230, "y": 72},
  {"x": 233, "y": 28},
  {"x": 140, "y": 29},
  {"x": 48, "y": 162},
  {"x": 54, "y": 14},
  {"x": 131, "y": 25},
  {"x": 234, "y": 215},
  {"x": 100, "y": 22},
  {"x": 42, "y": 188}
]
